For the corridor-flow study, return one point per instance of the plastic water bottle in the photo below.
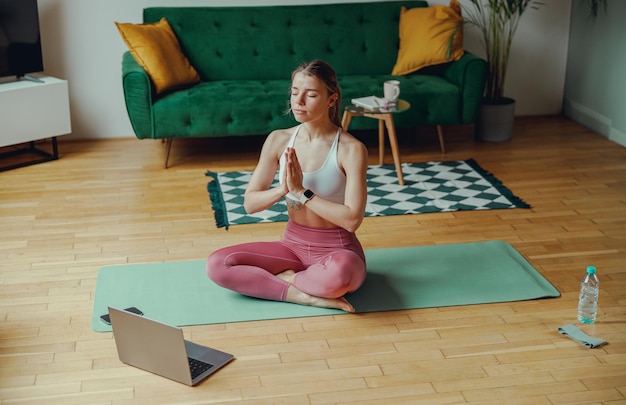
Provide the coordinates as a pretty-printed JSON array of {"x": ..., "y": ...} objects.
[{"x": 588, "y": 298}]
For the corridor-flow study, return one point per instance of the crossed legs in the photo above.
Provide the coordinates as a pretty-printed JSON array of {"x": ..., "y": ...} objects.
[{"x": 274, "y": 271}]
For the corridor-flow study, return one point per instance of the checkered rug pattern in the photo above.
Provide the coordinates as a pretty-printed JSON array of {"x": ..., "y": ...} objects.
[{"x": 429, "y": 187}]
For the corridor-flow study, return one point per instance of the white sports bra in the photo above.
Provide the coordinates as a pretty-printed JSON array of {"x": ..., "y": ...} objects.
[{"x": 329, "y": 182}]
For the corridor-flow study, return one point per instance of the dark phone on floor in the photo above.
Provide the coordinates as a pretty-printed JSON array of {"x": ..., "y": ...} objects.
[{"x": 105, "y": 318}]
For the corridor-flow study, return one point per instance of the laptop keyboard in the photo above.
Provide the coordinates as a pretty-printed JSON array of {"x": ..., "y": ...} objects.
[{"x": 197, "y": 367}]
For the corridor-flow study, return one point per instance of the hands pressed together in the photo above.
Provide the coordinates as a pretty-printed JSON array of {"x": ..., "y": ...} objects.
[{"x": 293, "y": 173}]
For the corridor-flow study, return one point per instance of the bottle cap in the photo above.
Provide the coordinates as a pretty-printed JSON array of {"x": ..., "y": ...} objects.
[{"x": 591, "y": 270}]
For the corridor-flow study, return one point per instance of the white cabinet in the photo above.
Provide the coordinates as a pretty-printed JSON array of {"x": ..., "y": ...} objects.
[{"x": 31, "y": 111}]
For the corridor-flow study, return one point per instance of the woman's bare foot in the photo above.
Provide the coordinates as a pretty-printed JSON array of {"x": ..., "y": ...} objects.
[
  {"x": 286, "y": 275},
  {"x": 298, "y": 297}
]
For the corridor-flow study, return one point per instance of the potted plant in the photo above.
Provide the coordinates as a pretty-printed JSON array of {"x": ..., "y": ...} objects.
[{"x": 497, "y": 22}]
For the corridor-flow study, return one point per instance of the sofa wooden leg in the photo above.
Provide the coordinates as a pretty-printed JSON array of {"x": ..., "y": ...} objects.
[
  {"x": 440, "y": 134},
  {"x": 168, "y": 146}
]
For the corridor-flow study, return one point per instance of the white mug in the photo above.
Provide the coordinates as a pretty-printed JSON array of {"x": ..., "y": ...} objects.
[{"x": 391, "y": 90}]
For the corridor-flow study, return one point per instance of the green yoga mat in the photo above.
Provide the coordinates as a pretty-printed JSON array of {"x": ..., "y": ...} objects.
[{"x": 180, "y": 293}]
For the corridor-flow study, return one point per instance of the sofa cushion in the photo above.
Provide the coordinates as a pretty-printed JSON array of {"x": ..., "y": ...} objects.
[
  {"x": 257, "y": 107},
  {"x": 220, "y": 108},
  {"x": 156, "y": 49},
  {"x": 355, "y": 38},
  {"x": 429, "y": 36}
]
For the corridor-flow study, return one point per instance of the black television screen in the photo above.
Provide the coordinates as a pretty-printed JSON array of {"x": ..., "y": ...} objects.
[{"x": 20, "y": 43}]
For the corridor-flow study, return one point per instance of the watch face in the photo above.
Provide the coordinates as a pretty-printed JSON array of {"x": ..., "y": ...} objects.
[{"x": 308, "y": 193}]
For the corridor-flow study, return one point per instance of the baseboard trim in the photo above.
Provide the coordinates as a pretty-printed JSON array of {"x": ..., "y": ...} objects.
[
  {"x": 593, "y": 120},
  {"x": 617, "y": 136}
]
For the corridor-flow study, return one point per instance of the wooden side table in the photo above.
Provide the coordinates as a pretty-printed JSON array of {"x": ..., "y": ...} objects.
[{"x": 385, "y": 119}]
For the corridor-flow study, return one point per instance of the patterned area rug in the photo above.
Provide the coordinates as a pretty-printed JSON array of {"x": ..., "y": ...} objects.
[{"x": 429, "y": 187}]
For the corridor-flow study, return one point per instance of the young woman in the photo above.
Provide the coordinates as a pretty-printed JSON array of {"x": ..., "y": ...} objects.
[{"x": 323, "y": 179}]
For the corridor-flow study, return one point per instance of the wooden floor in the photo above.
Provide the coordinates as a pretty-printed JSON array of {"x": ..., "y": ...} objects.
[{"x": 108, "y": 202}]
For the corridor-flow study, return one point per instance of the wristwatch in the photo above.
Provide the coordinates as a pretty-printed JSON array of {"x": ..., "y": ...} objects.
[{"x": 306, "y": 196}]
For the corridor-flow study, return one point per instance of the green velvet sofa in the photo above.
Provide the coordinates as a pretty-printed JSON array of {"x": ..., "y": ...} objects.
[{"x": 245, "y": 56}]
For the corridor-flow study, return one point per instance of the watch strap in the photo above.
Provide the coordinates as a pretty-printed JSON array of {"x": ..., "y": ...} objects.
[{"x": 306, "y": 196}]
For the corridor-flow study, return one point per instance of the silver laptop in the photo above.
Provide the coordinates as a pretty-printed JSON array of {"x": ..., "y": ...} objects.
[{"x": 161, "y": 349}]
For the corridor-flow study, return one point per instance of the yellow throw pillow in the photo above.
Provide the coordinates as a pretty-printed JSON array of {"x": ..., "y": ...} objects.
[
  {"x": 429, "y": 36},
  {"x": 156, "y": 48}
]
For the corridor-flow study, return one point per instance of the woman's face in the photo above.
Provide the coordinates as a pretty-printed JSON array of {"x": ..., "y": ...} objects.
[{"x": 309, "y": 98}]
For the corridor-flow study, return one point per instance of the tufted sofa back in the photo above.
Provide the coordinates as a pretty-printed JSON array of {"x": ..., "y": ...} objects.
[{"x": 355, "y": 38}]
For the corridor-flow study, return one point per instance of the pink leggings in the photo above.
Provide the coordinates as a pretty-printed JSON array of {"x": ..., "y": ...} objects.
[{"x": 328, "y": 263}]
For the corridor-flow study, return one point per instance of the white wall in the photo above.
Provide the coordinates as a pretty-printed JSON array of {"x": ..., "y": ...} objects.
[
  {"x": 81, "y": 44},
  {"x": 595, "y": 91}
]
